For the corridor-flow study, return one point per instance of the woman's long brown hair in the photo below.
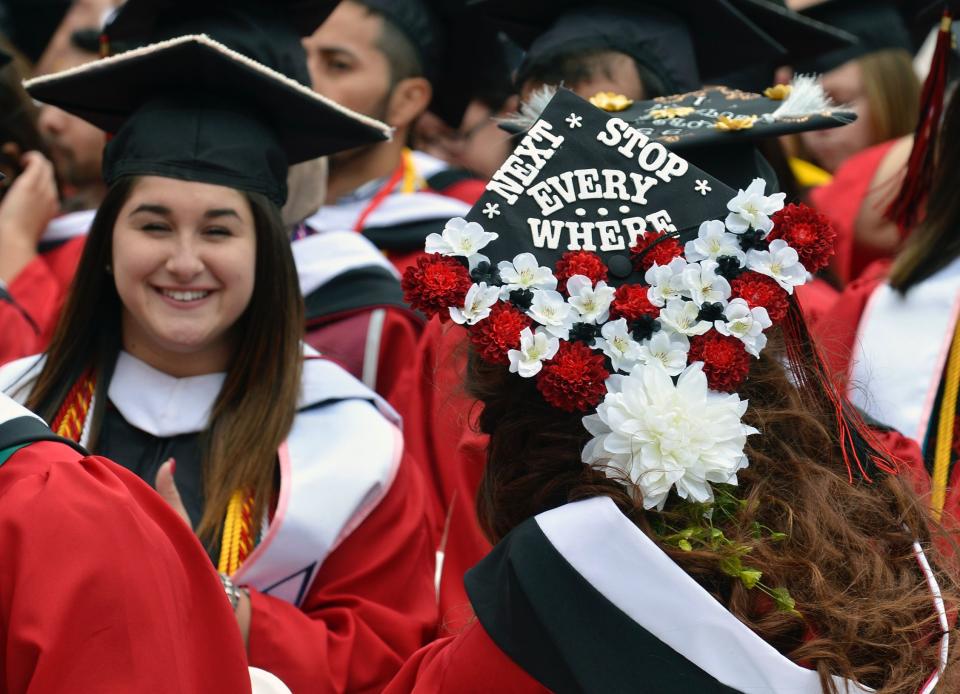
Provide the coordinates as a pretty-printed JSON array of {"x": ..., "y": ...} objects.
[
  {"x": 892, "y": 91},
  {"x": 255, "y": 408},
  {"x": 848, "y": 562}
]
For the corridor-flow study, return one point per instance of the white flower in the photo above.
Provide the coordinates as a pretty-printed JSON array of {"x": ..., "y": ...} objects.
[
  {"x": 745, "y": 324},
  {"x": 704, "y": 285},
  {"x": 476, "y": 305},
  {"x": 779, "y": 262},
  {"x": 680, "y": 316},
  {"x": 659, "y": 435},
  {"x": 670, "y": 349},
  {"x": 618, "y": 344},
  {"x": 751, "y": 208},
  {"x": 592, "y": 303},
  {"x": 459, "y": 237},
  {"x": 666, "y": 282},
  {"x": 535, "y": 348},
  {"x": 713, "y": 240},
  {"x": 524, "y": 273},
  {"x": 550, "y": 310}
]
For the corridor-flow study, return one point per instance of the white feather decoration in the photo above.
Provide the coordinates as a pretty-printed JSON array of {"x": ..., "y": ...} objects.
[
  {"x": 530, "y": 110},
  {"x": 806, "y": 97}
]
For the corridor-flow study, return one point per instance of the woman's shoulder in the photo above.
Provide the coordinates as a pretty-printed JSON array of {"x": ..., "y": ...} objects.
[{"x": 17, "y": 377}]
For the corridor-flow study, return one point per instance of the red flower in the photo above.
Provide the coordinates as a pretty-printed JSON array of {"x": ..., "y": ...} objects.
[
  {"x": 631, "y": 302},
  {"x": 725, "y": 361},
  {"x": 434, "y": 284},
  {"x": 660, "y": 252},
  {"x": 760, "y": 290},
  {"x": 808, "y": 232},
  {"x": 579, "y": 263},
  {"x": 498, "y": 333},
  {"x": 573, "y": 380}
]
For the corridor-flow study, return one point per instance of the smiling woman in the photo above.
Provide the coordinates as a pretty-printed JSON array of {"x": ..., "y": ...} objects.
[{"x": 181, "y": 341}]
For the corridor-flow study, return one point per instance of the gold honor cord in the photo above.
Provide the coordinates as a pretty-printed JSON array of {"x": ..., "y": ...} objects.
[
  {"x": 236, "y": 543},
  {"x": 943, "y": 451}
]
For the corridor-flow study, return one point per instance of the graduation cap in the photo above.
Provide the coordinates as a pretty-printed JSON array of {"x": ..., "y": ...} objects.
[
  {"x": 30, "y": 24},
  {"x": 194, "y": 109},
  {"x": 718, "y": 128},
  {"x": 683, "y": 42},
  {"x": 878, "y": 24}
]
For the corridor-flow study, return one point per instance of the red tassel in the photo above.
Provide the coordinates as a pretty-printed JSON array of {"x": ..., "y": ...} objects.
[
  {"x": 905, "y": 209},
  {"x": 104, "y": 45}
]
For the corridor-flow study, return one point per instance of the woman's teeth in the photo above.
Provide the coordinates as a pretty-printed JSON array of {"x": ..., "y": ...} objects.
[{"x": 184, "y": 296}]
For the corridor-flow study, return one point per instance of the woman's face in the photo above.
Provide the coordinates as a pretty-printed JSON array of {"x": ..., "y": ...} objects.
[
  {"x": 184, "y": 256},
  {"x": 831, "y": 147}
]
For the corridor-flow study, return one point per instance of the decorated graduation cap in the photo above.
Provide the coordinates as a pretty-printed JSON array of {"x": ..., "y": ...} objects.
[
  {"x": 717, "y": 128},
  {"x": 604, "y": 266},
  {"x": 681, "y": 42},
  {"x": 194, "y": 109},
  {"x": 878, "y": 24}
]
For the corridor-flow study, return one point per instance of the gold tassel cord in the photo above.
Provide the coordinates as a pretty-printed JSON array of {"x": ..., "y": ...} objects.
[{"x": 943, "y": 452}]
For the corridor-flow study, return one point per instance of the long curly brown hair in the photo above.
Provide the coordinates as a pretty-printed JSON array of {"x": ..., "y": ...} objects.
[{"x": 865, "y": 610}]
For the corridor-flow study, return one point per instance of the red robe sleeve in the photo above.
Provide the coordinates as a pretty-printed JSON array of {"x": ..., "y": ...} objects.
[
  {"x": 29, "y": 314},
  {"x": 371, "y": 605},
  {"x": 103, "y": 588},
  {"x": 469, "y": 663}
]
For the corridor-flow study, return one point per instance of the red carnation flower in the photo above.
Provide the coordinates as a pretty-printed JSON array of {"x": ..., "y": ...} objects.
[
  {"x": 579, "y": 263},
  {"x": 808, "y": 232},
  {"x": 649, "y": 250},
  {"x": 434, "y": 284},
  {"x": 725, "y": 361},
  {"x": 760, "y": 290},
  {"x": 499, "y": 333},
  {"x": 573, "y": 380},
  {"x": 631, "y": 302}
]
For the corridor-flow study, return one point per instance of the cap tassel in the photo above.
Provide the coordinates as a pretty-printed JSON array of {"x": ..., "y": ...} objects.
[
  {"x": 862, "y": 452},
  {"x": 905, "y": 209}
]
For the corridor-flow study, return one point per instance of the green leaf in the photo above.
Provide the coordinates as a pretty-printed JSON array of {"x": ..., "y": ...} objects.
[
  {"x": 785, "y": 603},
  {"x": 685, "y": 545},
  {"x": 778, "y": 537},
  {"x": 731, "y": 566},
  {"x": 750, "y": 577}
]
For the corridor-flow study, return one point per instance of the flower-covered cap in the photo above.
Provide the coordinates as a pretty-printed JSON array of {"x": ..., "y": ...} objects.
[{"x": 626, "y": 282}]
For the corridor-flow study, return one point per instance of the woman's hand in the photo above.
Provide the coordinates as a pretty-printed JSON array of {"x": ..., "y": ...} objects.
[
  {"x": 27, "y": 208},
  {"x": 167, "y": 488}
]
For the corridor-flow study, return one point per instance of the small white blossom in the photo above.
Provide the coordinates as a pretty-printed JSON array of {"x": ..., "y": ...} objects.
[
  {"x": 660, "y": 435},
  {"x": 703, "y": 285},
  {"x": 752, "y": 209},
  {"x": 666, "y": 282},
  {"x": 524, "y": 273},
  {"x": 618, "y": 344},
  {"x": 779, "y": 262},
  {"x": 592, "y": 303},
  {"x": 459, "y": 237},
  {"x": 713, "y": 240},
  {"x": 535, "y": 348},
  {"x": 476, "y": 306},
  {"x": 745, "y": 324},
  {"x": 551, "y": 311},
  {"x": 670, "y": 349},
  {"x": 680, "y": 316}
]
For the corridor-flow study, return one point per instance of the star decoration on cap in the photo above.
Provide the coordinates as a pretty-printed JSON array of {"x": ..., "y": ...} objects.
[
  {"x": 492, "y": 209},
  {"x": 702, "y": 187},
  {"x": 777, "y": 92},
  {"x": 574, "y": 120},
  {"x": 610, "y": 101},
  {"x": 728, "y": 124}
]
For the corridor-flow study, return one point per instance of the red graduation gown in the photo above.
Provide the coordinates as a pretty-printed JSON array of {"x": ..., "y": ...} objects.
[
  {"x": 29, "y": 314},
  {"x": 103, "y": 588},
  {"x": 369, "y": 607}
]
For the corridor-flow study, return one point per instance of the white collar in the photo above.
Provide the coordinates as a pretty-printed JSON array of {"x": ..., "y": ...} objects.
[
  {"x": 323, "y": 256},
  {"x": 10, "y": 409},
  {"x": 67, "y": 226}
]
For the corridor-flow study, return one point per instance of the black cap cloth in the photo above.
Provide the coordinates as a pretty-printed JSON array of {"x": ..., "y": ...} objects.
[
  {"x": 879, "y": 24},
  {"x": 194, "y": 109},
  {"x": 717, "y": 128},
  {"x": 682, "y": 42}
]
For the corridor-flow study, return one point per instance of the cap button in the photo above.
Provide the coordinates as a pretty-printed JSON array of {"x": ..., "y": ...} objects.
[{"x": 620, "y": 266}]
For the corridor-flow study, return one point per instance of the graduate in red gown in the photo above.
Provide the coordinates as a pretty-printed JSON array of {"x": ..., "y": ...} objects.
[
  {"x": 103, "y": 588},
  {"x": 179, "y": 354},
  {"x": 680, "y": 500}
]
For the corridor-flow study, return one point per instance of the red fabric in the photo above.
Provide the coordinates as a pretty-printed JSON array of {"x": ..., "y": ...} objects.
[
  {"x": 343, "y": 338},
  {"x": 103, "y": 588},
  {"x": 841, "y": 200},
  {"x": 469, "y": 663},
  {"x": 816, "y": 299},
  {"x": 439, "y": 428},
  {"x": 469, "y": 190},
  {"x": 39, "y": 291},
  {"x": 371, "y": 605}
]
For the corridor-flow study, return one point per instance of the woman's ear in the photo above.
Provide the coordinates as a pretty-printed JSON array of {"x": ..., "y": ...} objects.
[{"x": 409, "y": 98}]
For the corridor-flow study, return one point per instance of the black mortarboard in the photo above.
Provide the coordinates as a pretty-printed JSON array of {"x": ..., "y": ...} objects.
[
  {"x": 30, "y": 24},
  {"x": 879, "y": 24},
  {"x": 194, "y": 109},
  {"x": 683, "y": 42},
  {"x": 584, "y": 179}
]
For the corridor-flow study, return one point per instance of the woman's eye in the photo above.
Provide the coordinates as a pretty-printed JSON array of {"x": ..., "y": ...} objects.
[
  {"x": 336, "y": 65},
  {"x": 155, "y": 226},
  {"x": 218, "y": 231}
]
